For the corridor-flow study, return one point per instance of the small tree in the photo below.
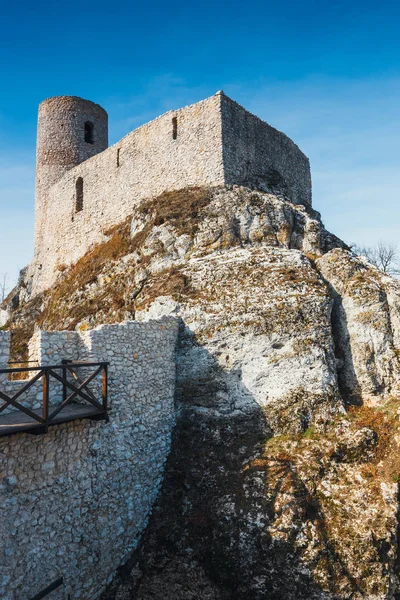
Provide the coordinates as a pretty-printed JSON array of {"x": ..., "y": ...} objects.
[
  {"x": 4, "y": 285},
  {"x": 385, "y": 256}
]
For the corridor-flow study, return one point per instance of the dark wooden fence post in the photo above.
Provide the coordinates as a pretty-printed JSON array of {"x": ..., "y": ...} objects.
[
  {"x": 45, "y": 413},
  {"x": 64, "y": 376},
  {"x": 104, "y": 389}
]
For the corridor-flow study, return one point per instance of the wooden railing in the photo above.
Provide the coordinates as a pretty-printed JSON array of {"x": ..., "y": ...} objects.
[{"x": 51, "y": 415}]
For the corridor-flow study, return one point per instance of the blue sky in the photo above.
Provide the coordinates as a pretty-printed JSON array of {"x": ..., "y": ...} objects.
[{"x": 325, "y": 73}]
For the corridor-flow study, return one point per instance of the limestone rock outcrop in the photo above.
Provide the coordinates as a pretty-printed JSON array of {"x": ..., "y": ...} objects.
[
  {"x": 366, "y": 325},
  {"x": 283, "y": 478}
]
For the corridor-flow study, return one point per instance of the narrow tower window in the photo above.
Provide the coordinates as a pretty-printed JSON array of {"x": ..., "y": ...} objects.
[
  {"x": 89, "y": 132},
  {"x": 118, "y": 157},
  {"x": 79, "y": 194},
  {"x": 174, "y": 128}
]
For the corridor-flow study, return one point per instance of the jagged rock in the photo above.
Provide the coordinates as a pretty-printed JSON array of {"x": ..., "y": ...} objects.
[
  {"x": 356, "y": 446},
  {"x": 222, "y": 217},
  {"x": 257, "y": 334},
  {"x": 366, "y": 320},
  {"x": 4, "y": 315},
  {"x": 276, "y": 488}
]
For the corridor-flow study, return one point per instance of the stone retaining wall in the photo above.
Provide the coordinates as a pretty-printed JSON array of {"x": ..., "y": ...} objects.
[{"x": 74, "y": 502}]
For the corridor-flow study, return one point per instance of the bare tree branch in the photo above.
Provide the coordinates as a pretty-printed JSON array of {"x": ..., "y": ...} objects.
[
  {"x": 385, "y": 256},
  {"x": 4, "y": 286}
]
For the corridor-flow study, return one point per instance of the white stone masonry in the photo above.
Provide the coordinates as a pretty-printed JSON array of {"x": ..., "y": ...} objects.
[{"x": 74, "y": 502}]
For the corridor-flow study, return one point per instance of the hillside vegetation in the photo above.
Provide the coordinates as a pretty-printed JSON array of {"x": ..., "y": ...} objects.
[{"x": 283, "y": 479}]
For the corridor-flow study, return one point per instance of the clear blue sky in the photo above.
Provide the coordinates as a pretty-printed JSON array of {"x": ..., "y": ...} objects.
[{"x": 325, "y": 72}]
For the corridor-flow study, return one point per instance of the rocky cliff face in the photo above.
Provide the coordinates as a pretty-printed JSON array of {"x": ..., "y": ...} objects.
[
  {"x": 366, "y": 326},
  {"x": 283, "y": 478}
]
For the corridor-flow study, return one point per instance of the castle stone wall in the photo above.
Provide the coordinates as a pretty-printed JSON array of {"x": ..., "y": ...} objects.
[
  {"x": 61, "y": 144},
  {"x": 45, "y": 348},
  {"x": 30, "y": 398},
  {"x": 258, "y": 156},
  {"x": 211, "y": 143},
  {"x": 73, "y": 502},
  {"x": 145, "y": 163},
  {"x": 11, "y": 387}
]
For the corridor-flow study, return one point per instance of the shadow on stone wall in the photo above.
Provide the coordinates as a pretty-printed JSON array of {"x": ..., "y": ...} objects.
[{"x": 209, "y": 536}]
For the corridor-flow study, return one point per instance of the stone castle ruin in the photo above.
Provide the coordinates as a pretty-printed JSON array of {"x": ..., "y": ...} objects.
[
  {"x": 83, "y": 187},
  {"x": 251, "y": 440}
]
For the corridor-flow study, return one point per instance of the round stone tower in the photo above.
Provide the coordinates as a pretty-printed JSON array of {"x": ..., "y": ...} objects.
[{"x": 70, "y": 130}]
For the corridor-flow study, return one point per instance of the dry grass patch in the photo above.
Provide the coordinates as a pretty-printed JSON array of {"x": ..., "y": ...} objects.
[
  {"x": 183, "y": 209},
  {"x": 170, "y": 282}
]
